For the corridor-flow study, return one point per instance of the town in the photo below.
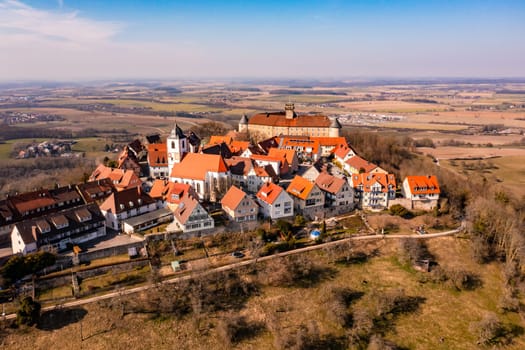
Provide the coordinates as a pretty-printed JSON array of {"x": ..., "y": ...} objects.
[{"x": 178, "y": 182}]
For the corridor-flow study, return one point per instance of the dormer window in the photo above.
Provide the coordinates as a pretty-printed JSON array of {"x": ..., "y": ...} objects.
[
  {"x": 130, "y": 204},
  {"x": 122, "y": 207}
]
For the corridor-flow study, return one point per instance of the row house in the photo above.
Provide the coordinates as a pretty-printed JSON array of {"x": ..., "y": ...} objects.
[
  {"x": 274, "y": 201},
  {"x": 307, "y": 197},
  {"x": 34, "y": 204},
  {"x": 208, "y": 174},
  {"x": 238, "y": 206},
  {"x": 248, "y": 176},
  {"x": 96, "y": 191},
  {"x": 422, "y": 191},
  {"x": 58, "y": 230},
  {"x": 373, "y": 190},
  {"x": 338, "y": 193}
]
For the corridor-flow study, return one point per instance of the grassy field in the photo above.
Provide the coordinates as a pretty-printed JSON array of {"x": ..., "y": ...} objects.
[{"x": 442, "y": 319}]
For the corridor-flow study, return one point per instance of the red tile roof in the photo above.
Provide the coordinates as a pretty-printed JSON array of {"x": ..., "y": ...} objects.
[
  {"x": 294, "y": 142},
  {"x": 196, "y": 165},
  {"x": 239, "y": 165},
  {"x": 279, "y": 119},
  {"x": 158, "y": 155},
  {"x": 300, "y": 187},
  {"x": 368, "y": 179},
  {"x": 233, "y": 198},
  {"x": 359, "y": 163},
  {"x": 269, "y": 192},
  {"x": 330, "y": 183},
  {"x": 131, "y": 198},
  {"x": 423, "y": 184}
]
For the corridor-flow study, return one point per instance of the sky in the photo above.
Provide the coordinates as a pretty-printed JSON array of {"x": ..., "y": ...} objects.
[{"x": 68, "y": 40}]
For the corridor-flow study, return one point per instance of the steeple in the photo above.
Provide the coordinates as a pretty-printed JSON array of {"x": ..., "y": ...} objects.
[{"x": 177, "y": 133}]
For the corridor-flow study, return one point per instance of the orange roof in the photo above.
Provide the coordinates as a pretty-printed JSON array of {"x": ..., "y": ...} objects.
[
  {"x": 196, "y": 165},
  {"x": 264, "y": 158},
  {"x": 239, "y": 165},
  {"x": 423, "y": 184},
  {"x": 269, "y": 192},
  {"x": 282, "y": 154},
  {"x": 368, "y": 179},
  {"x": 342, "y": 150},
  {"x": 233, "y": 198},
  {"x": 238, "y": 146},
  {"x": 177, "y": 191},
  {"x": 329, "y": 183},
  {"x": 359, "y": 163},
  {"x": 214, "y": 139},
  {"x": 279, "y": 119},
  {"x": 295, "y": 142},
  {"x": 160, "y": 189},
  {"x": 158, "y": 154},
  {"x": 330, "y": 141},
  {"x": 187, "y": 205},
  {"x": 120, "y": 178},
  {"x": 300, "y": 187}
]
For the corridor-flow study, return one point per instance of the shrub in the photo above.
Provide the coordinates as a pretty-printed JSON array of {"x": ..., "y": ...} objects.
[
  {"x": 28, "y": 313},
  {"x": 399, "y": 210}
]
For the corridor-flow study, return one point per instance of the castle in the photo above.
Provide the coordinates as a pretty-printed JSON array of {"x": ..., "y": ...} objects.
[{"x": 290, "y": 123}]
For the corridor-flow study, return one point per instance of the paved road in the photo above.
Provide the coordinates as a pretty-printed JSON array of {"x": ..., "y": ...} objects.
[{"x": 239, "y": 264}]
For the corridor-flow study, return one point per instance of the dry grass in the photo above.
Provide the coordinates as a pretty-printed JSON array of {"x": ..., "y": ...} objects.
[{"x": 445, "y": 313}]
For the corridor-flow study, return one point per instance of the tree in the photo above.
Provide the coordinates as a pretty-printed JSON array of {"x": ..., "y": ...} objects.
[
  {"x": 299, "y": 220},
  {"x": 29, "y": 312},
  {"x": 19, "y": 266}
]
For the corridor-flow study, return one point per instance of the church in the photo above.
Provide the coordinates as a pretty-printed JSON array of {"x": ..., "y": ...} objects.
[{"x": 288, "y": 122}]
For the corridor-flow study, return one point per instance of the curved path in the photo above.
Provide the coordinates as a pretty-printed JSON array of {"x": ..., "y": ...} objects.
[{"x": 239, "y": 264}]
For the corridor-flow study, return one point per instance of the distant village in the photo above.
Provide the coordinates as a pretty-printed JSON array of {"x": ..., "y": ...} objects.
[
  {"x": 15, "y": 117},
  {"x": 301, "y": 166}
]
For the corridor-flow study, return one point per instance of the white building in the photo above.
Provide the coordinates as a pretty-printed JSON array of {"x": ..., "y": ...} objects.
[{"x": 275, "y": 203}]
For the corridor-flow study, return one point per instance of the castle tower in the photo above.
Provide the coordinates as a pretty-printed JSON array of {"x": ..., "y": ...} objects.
[
  {"x": 335, "y": 128},
  {"x": 243, "y": 124},
  {"x": 289, "y": 110},
  {"x": 177, "y": 146}
]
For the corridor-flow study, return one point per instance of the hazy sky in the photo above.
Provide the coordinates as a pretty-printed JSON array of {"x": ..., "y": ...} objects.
[{"x": 104, "y": 39}]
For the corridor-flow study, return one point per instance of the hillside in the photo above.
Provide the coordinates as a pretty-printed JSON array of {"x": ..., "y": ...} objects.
[{"x": 318, "y": 300}]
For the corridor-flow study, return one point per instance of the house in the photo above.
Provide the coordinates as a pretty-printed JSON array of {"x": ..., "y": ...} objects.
[
  {"x": 239, "y": 206},
  {"x": 422, "y": 191},
  {"x": 275, "y": 203},
  {"x": 221, "y": 149},
  {"x": 189, "y": 215},
  {"x": 148, "y": 220},
  {"x": 248, "y": 176},
  {"x": 342, "y": 152},
  {"x": 136, "y": 149},
  {"x": 96, "y": 191},
  {"x": 126, "y": 204},
  {"x": 373, "y": 190},
  {"x": 307, "y": 149},
  {"x": 278, "y": 166},
  {"x": 122, "y": 179},
  {"x": 307, "y": 197},
  {"x": 208, "y": 174},
  {"x": 337, "y": 191},
  {"x": 357, "y": 165},
  {"x": 285, "y": 156},
  {"x": 128, "y": 161},
  {"x": 158, "y": 160},
  {"x": 58, "y": 230},
  {"x": 34, "y": 204},
  {"x": 329, "y": 144},
  {"x": 288, "y": 122},
  {"x": 309, "y": 172}
]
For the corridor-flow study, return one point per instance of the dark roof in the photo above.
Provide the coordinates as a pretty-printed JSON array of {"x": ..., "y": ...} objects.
[
  {"x": 136, "y": 146},
  {"x": 96, "y": 190},
  {"x": 60, "y": 225},
  {"x": 265, "y": 145},
  {"x": 153, "y": 138},
  {"x": 125, "y": 200},
  {"x": 244, "y": 119},
  {"x": 193, "y": 139},
  {"x": 177, "y": 132},
  {"x": 221, "y": 149}
]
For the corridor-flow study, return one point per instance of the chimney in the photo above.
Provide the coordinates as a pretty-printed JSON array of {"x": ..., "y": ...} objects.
[{"x": 289, "y": 110}]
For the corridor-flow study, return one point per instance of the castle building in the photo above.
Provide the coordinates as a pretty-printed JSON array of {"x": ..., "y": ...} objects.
[{"x": 288, "y": 122}]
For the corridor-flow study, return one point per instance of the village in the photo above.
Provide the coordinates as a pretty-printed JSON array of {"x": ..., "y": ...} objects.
[{"x": 273, "y": 194}]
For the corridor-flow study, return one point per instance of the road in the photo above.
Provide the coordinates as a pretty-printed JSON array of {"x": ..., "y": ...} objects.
[{"x": 239, "y": 264}]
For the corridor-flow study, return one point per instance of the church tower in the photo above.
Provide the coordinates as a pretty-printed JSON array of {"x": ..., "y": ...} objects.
[
  {"x": 177, "y": 147},
  {"x": 289, "y": 110},
  {"x": 243, "y": 124}
]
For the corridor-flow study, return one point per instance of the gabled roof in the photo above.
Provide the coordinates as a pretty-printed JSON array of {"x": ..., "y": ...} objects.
[
  {"x": 269, "y": 192},
  {"x": 367, "y": 180},
  {"x": 176, "y": 132},
  {"x": 342, "y": 150},
  {"x": 265, "y": 171},
  {"x": 221, "y": 149},
  {"x": 359, "y": 163},
  {"x": 215, "y": 139},
  {"x": 263, "y": 158},
  {"x": 196, "y": 165},
  {"x": 283, "y": 154},
  {"x": 187, "y": 205},
  {"x": 239, "y": 165},
  {"x": 122, "y": 179},
  {"x": 131, "y": 198},
  {"x": 279, "y": 119},
  {"x": 233, "y": 198},
  {"x": 160, "y": 189},
  {"x": 300, "y": 187},
  {"x": 237, "y": 147},
  {"x": 330, "y": 183},
  {"x": 158, "y": 155},
  {"x": 177, "y": 191},
  {"x": 265, "y": 145},
  {"x": 299, "y": 142},
  {"x": 423, "y": 184},
  {"x": 96, "y": 190}
]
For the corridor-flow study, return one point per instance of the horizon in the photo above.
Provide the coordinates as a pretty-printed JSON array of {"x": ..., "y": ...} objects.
[{"x": 85, "y": 41}]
